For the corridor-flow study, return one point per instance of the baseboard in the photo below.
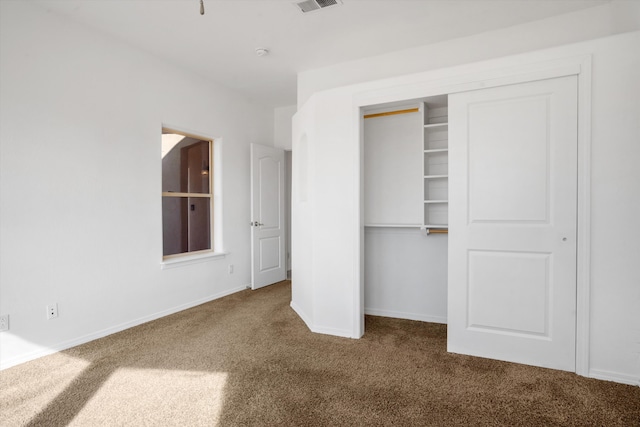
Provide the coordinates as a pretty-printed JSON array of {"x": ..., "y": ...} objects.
[
  {"x": 614, "y": 376},
  {"x": 404, "y": 315},
  {"x": 108, "y": 331},
  {"x": 332, "y": 331},
  {"x": 306, "y": 319},
  {"x": 318, "y": 329}
]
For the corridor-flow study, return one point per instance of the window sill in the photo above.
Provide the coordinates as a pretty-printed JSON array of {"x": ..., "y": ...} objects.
[{"x": 188, "y": 259}]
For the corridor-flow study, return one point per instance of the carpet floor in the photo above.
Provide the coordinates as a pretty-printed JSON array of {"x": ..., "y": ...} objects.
[{"x": 248, "y": 360}]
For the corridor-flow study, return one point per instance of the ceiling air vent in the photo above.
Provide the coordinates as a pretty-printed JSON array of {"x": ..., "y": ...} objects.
[{"x": 306, "y": 6}]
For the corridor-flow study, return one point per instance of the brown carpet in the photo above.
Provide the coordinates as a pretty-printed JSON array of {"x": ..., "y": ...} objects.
[{"x": 248, "y": 360}]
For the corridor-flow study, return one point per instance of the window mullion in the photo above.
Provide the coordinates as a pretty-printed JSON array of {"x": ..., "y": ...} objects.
[{"x": 174, "y": 194}]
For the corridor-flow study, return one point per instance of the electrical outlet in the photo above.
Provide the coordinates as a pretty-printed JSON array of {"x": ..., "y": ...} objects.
[
  {"x": 52, "y": 311},
  {"x": 230, "y": 268},
  {"x": 4, "y": 322}
]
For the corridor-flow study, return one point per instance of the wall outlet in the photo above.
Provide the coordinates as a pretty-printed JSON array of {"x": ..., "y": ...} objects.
[
  {"x": 52, "y": 311},
  {"x": 4, "y": 322},
  {"x": 230, "y": 268}
]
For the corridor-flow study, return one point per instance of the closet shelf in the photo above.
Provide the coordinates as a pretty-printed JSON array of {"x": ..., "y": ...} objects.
[
  {"x": 393, "y": 225},
  {"x": 436, "y": 125}
]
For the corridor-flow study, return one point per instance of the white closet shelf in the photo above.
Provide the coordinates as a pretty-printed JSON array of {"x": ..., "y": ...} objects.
[
  {"x": 436, "y": 125},
  {"x": 435, "y": 176},
  {"x": 436, "y": 201},
  {"x": 394, "y": 225},
  {"x": 437, "y": 150}
]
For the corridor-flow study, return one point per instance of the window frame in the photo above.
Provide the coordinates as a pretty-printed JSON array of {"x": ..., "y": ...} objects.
[{"x": 191, "y": 257}]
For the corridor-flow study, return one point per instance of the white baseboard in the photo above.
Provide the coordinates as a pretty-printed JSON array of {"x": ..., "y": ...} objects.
[
  {"x": 301, "y": 314},
  {"x": 615, "y": 377},
  {"x": 404, "y": 315},
  {"x": 318, "y": 329},
  {"x": 112, "y": 330},
  {"x": 332, "y": 331}
]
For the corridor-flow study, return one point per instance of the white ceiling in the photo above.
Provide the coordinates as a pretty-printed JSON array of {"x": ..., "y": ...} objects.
[{"x": 221, "y": 44}]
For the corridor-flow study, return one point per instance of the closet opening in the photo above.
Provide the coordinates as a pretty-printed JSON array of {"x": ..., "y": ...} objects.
[{"x": 405, "y": 209}]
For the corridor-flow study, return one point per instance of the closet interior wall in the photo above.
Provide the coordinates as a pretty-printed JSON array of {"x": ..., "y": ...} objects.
[{"x": 405, "y": 210}]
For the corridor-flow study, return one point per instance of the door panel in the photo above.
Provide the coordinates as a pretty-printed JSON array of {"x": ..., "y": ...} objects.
[
  {"x": 270, "y": 191},
  {"x": 523, "y": 281},
  {"x": 270, "y": 253},
  {"x": 267, "y": 216},
  {"x": 518, "y": 159},
  {"x": 512, "y": 223}
]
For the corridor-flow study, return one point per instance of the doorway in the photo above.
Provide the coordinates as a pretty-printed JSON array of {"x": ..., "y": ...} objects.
[{"x": 405, "y": 209}]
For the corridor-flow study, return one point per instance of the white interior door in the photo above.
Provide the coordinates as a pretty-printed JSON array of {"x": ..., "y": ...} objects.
[
  {"x": 512, "y": 219},
  {"x": 267, "y": 216}
]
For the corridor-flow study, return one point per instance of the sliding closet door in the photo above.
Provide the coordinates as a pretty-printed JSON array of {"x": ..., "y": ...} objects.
[{"x": 512, "y": 219}]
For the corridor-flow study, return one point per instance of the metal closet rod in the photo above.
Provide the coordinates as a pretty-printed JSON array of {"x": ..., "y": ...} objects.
[{"x": 392, "y": 113}]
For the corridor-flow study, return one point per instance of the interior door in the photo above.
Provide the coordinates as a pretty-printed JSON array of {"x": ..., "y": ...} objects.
[
  {"x": 512, "y": 223},
  {"x": 267, "y": 216}
]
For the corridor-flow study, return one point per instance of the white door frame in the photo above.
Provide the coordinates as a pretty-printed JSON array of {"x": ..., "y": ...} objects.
[{"x": 463, "y": 79}]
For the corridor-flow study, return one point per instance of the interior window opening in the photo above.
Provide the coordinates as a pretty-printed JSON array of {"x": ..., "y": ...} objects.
[{"x": 187, "y": 193}]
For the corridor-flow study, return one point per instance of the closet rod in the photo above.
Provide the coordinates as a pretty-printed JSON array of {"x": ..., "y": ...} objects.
[
  {"x": 391, "y": 113},
  {"x": 437, "y": 231}
]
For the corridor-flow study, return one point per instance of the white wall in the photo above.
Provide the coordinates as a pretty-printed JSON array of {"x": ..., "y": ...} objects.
[
  {"x": 405, "y": 274},
  {"x": 80, "y": 183},
  {"x": 322, "y": 237},
  {"x": 625, "y": 15},
  {"x": 331, "y": 269},
  {"x": 282, "y": 126},
  {"x": 302, "y": 214},
  {"x": 393, "y": 152},
  {"x": 611, "y": 18}
]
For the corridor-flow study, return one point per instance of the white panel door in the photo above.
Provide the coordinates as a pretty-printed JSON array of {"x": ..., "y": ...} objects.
[
  {"x": 267, "y": 216},
  {"x": 512, "y": 223}
]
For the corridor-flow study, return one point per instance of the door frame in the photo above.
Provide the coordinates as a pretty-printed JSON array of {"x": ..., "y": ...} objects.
[{"x": 479, "y": 76}]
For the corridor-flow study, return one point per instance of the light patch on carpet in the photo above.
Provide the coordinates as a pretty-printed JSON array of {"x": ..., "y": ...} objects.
[
  {"x": 171, "y": 398},
  {"x": 19, "y": 403}
]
